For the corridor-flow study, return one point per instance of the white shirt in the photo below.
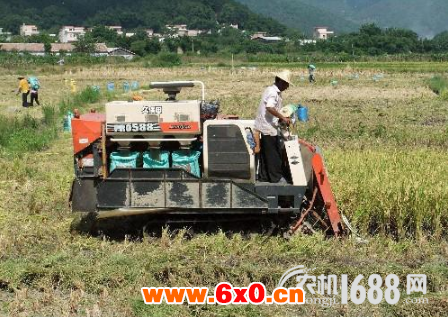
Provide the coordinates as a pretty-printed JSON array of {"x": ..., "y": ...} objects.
[{"x": 265, "y": 122}]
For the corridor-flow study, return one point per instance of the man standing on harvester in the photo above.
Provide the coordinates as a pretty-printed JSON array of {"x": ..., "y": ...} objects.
[{"x": 266, "y": 122}]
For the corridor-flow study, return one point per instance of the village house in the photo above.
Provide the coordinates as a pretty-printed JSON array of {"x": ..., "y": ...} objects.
[
  {"x": 28, "y": 30},
  {"x": 193, "y": 33},
  {"x": 179, "y": 29},
  {"x": 262, "y": 37},
  {"x": 258, "y": 35},
  {"x": 116, "y": 28},
  {"x": 149, "y": 32},
  {"x": 38, "y": 49},
  {"x": 306, "y": 42},
  {"x": 322, "y": 32},
  {"x": 70, "y": 34},
  {"x": 120, "y": 52}
]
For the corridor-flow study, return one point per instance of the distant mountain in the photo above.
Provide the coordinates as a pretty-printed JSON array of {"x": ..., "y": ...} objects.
[
  {"x": 302, "y": 16},
  {"x": 130, "y": 14},
  {"x": 426, "y": 17}
]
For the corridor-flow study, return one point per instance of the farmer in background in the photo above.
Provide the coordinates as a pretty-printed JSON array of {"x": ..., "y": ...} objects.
[
  {"x": 266, "y": 122},
  {"x": 34, "y": 85},
  {"x": 311, "y": 69},
  {"x": 24, "y": 89}
]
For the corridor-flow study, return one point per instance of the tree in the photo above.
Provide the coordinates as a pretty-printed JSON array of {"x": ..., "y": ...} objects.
[
  {"x": 102, "y": 34},
  {"x": 40, "y": 38},
  {"x": 85, "y": 44},
  {"x": 153, "y": 46},
  {"x": 53, "y": 15},
  {"x": 232, "y": 13},
  {"x": 12, "y": 23},
  {"x": 124, "y": 42},
  {"x": 47, "y": 48},
  {"x": 130, "y": 19},
  {"x": 171, "y": 44},
  {"x": 440, "y": 42},
  {"x": 139, "y": 47},
  {"x": 370, "y": 29}
]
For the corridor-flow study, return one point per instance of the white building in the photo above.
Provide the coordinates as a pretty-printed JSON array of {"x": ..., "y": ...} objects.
[
  {"x": 322, "y": 32},
  {"x": 28, "y": 30},
  {"x": 258, "y": 35},
  {"x": 306, "y": 42},
  {"x": 120, "y": 52},
  {"x": 149, "y": 32},
  {"x": 116, "y": 28},
  {"x": 193, "y": 33},
  {"x": 69, "y": 34},
  {"x": 262, "y": 37},
  {"x": 179, "y": 29}
]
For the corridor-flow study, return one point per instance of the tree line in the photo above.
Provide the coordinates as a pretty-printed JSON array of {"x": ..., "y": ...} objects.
[
  {"x": 370, "y": 40},
  {"x": 375, "y": 41}
]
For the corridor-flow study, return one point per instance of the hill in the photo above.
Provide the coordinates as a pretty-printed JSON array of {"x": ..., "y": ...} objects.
[
  {"x": 302, "y": 16},
  {"x": 203, "y": 14},
  {"x": 426, "y": 17}
]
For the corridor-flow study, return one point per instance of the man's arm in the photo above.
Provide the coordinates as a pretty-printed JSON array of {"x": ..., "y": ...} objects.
[
  {"x": 277, "y": 114},
  {"x": 20, "y": 87}
]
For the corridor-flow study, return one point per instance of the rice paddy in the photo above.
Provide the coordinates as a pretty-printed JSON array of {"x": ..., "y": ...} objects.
[{"x": 384, "y": 133}]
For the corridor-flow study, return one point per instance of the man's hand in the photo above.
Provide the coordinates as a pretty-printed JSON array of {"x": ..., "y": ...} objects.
[
  {"x": 286, "y": 120},
  {"x": 274, "y": 112}
]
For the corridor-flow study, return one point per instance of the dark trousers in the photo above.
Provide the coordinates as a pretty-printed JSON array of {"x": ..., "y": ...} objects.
[
  {"x": 271, "y": 163},
  {"x": 35, "y": 97},
  {"x": 25, "y": 99}
]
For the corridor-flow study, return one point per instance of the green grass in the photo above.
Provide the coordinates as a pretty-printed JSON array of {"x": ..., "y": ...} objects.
[
  {"x": 166, "y": 60},
  {"x": 29, "y": 134},
  {"x": 25, "y": 134},
  {"x": 87, "y": 95},
  {"x": 439, "y": 85}
]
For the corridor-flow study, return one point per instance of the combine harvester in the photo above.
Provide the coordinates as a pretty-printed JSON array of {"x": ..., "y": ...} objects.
[{"x": 175, "y": 162}]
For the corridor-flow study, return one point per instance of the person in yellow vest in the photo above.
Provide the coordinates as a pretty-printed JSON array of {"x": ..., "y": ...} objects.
[{"x": 24, "y": 88}]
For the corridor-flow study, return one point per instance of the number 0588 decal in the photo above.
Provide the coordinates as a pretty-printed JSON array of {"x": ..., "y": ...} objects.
[{"x": 133, "y": 127}]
